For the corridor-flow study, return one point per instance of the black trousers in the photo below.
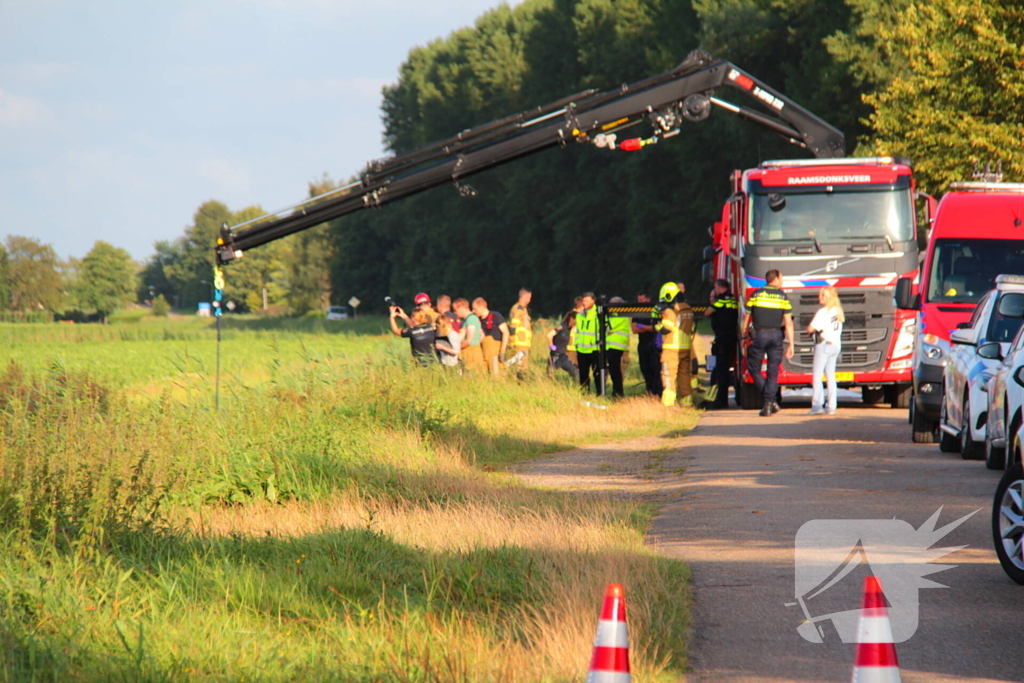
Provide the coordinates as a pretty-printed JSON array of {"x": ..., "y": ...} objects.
[
  {"x": 725, "y": 356},
  {"x": 560, "y": 361},
  {"x": 650, "y": 367},
  {"x": 614, "y": 359},
  {"x": 766, "y": 343},
  {"x": 588, "y": 361}
]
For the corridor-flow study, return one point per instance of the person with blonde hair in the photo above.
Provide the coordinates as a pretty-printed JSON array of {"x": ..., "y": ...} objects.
[{"x": 827, "y": 330}]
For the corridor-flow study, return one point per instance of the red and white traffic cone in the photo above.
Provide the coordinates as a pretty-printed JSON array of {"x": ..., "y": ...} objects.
[
  {"x": 610, "y": 663},
  {"x": 876, "y": 654}
]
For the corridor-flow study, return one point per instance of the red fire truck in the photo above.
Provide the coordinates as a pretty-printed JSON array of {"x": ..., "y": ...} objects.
[{"x": 849, "y": 223}]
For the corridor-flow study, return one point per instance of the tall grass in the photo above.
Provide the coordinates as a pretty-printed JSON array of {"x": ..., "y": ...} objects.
[{"x": 336, "y": 522}]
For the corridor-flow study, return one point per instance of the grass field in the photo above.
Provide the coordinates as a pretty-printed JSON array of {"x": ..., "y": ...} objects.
[{"x": 343, "y": 517}]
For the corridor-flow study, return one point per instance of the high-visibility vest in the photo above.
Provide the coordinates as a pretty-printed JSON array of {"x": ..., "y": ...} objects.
[
  {"x": 522, "y": 326},
  {"x": 677, "y": 328},
  {"x": 586, "y": 331},
  {"x": 571, "y": 346},
  {"x": 617, "y": 334}
]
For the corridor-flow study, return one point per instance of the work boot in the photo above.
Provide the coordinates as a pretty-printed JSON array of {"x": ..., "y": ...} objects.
[
  {"x": 775, "y": 407},
  {"x": 767, "y": 411}
]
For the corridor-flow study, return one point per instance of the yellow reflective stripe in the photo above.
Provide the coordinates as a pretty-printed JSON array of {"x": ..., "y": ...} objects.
[{"x": 770, "y": 302}]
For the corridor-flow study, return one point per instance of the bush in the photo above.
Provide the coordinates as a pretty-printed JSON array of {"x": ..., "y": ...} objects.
[{"x": 160, "y": 306}]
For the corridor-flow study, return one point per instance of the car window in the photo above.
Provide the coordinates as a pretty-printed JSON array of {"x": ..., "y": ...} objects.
[
  {"x": 1018, "y": 341},
  {"x": 1007, "y": 318},
  {"x": 980, "y": 312}
]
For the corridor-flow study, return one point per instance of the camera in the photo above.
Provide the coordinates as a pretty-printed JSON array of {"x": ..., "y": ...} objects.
[{"x": 390, "y": 302}]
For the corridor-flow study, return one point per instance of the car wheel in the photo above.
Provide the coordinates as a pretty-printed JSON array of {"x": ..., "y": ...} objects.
[
  {"x": 1008, "y": 522},
  {"x": 995, "y": 458},
  {"x": 969, "y": 448},
  {"x": 922, "y": 429},
  {"x": 947, "y": 442}
]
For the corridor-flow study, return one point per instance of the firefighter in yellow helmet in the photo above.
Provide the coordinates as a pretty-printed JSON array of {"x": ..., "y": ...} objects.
[{"x": 676, "y": 329}]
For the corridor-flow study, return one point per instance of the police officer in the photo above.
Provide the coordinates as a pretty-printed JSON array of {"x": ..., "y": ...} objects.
[
  {"x": 724, "y": 313},
  {"x": 647, "y": 349},
  {"x": 676, "y": 328},
  {"x": 586, "y": 341},
  {"x": 521, "y": 327},
  {"x": 770, "y": 311}
]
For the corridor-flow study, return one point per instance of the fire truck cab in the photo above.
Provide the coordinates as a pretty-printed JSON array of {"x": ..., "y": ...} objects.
[{"x": 848, "y": 223}]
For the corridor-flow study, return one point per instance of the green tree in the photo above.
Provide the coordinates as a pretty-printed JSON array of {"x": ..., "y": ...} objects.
[
  {"x": 160, "y": 306},
  {"x": 955, "y": 96},
  {"x": 106, "y": 279},
  {"x": 34, "y": 281},
  {"x": 5, "y": 288}
]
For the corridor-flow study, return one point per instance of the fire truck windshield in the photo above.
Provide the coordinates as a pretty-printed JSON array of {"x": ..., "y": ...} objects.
[
  {"x": 836, "y": 216},
  {"x": 962, "y": 270}
]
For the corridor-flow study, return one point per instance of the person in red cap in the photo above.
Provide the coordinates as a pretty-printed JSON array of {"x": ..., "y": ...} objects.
[{"x": 422, "y": 303}]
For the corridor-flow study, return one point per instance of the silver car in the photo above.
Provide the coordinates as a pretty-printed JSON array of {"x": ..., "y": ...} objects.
[{"x": 977, "y": 351}]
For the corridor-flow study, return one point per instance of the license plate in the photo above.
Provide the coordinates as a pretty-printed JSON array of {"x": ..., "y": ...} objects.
[{"x": 844, "y": 376}]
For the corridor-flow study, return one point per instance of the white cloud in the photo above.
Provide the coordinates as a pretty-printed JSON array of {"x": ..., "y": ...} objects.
[{"x": 16, "y": 110}]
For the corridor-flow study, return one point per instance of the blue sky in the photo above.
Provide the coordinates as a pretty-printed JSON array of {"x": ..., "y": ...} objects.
[{"x": 119, "y": 118}]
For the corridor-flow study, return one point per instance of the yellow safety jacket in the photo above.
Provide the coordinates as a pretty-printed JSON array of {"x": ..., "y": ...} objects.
[
  {"x": 522, "y": 326},
  {"x": 571, "y": 346},
  {"x": 617, "y": 334},
  {"x": 586, "y": 331},
  {"x": 676, "y": 327}
]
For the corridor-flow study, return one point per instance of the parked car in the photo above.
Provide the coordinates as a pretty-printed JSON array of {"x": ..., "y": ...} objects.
[
  {"x": 337, "y": 313},
  {"x": 977, "y": 350},
  {"x": 1005, "y": 398},
  {"x": 975, "y": 236},
  {"x": 1007, "y": 528}
]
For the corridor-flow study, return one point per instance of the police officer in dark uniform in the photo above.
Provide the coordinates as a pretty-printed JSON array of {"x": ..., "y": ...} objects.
[
  {"x": 770, "y": 311},
  {"x": 724, "y": 313},
  {"x": 647, "y": 348}
]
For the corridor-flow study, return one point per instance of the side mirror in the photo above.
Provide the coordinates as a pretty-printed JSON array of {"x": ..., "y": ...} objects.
[
  {"x": 961, "y": 336},
  {"x": 966, "y": 325},
  {"x": 905, "y": 298},
  {"x": 990, "y": 351},
  {"x": 707, "y": 273},
  {"x": 709, "y": 253}
]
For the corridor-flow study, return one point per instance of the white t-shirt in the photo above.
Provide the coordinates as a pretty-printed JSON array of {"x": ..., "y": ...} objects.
[
  {"x": 453, "y": 342},
  {"x": 827, "y": 322}
]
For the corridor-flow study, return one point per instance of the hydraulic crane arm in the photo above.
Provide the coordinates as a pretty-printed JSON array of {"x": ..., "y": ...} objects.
[{"x": 666, "y": 100}]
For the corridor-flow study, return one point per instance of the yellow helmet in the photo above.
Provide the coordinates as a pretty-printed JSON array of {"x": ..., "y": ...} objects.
[{"x": 669, "y": 292}]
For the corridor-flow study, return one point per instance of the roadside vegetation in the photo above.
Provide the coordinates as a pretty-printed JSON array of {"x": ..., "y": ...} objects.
[{"x": 344, "y": 516}]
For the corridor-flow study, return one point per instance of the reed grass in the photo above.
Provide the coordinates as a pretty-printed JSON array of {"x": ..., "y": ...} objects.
[{"x": 339, "y": 521}]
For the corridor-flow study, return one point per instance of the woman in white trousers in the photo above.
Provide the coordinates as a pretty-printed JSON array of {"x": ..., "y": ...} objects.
[{"x": 827, "y": 329}]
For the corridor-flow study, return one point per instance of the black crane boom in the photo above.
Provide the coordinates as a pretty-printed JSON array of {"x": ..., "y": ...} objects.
[{"x": 666, "y": 100}]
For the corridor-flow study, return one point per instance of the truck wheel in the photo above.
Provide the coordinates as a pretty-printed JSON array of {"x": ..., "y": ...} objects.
[
  {"x": 922, "y": 429},
  {"x": 1007, "y": 529},
  {"x": 872, "y": 397},
  {"x": 969, "y": 448},
  {"x": 898, "y": 395},
  {"x": 750, "y": 398}
]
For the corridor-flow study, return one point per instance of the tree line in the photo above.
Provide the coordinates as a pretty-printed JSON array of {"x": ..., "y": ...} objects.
[{"x": 35, "y": 284}]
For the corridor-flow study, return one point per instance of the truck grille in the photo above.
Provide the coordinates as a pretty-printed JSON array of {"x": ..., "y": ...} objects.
[
  {"x": 846, "y": 299},
  {"x": 855, "y": 336},
  {"x": 852, "y": 359}
]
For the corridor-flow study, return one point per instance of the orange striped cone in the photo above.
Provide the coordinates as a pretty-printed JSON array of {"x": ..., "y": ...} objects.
[
  {"x": 876, "y": 655},
  {"x": 610, "y": 663}
]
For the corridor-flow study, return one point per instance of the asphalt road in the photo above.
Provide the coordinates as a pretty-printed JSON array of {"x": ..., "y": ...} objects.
[{"x": 752, "y": 482}]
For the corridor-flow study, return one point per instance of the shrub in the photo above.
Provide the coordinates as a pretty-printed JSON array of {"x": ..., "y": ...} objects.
[{"x": 160, "y": 306}]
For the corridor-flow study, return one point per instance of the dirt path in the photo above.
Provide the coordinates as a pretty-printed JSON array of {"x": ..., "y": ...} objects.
[{"x": 735, "y": 492}]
